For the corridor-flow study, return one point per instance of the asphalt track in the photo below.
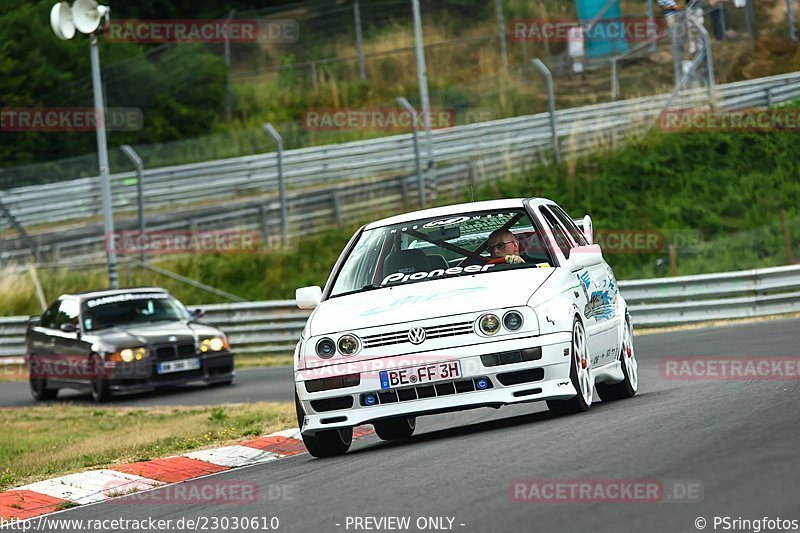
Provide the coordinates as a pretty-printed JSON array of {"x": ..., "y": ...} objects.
[
  {"x": 739, "y": 439},
  {"x": 270, "y": 384}
]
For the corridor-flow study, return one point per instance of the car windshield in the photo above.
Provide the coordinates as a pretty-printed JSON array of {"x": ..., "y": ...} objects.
[
  {"x": 109, "y": 311},
  {"x": 432, "y": 248}
]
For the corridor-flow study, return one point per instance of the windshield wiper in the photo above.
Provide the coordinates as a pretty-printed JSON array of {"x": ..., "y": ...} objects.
[{"x": 368, "y": 287}]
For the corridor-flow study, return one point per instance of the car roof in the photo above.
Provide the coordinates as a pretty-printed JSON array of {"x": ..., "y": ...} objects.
[
  {"x": 83, "y": 296},
  {"x": 455, "y": 209}
]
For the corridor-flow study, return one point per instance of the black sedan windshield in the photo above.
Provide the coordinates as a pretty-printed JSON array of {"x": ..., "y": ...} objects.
[{"x": 109, "y": 311}]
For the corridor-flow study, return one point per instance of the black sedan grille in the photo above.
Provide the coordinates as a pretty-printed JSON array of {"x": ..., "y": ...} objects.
[{"x": 170, "y": 352}]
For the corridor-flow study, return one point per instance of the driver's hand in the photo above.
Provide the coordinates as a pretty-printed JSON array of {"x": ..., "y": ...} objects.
[{"x": 514, "y": 260}]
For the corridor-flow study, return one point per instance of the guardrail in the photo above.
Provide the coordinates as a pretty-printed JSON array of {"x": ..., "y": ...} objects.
[
  {"x": 342, "y": 182},
  {"x": 273, "y": 327},
  {"x": 346, "y": 163},
  {"x": 720, "y": 296}
]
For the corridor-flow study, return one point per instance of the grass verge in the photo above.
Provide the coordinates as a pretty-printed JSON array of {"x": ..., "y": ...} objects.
[
  {"x": 19, "y": 372},
  {"x": 43, "y": 442},
  {"x": 255, "y": 360}
]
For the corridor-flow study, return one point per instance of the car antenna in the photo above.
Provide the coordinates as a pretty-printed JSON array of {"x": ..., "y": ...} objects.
[{"x": 470, "y": 178}]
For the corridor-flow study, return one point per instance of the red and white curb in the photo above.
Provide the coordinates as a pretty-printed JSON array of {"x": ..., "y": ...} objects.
[{"x": 44, "y": 497}]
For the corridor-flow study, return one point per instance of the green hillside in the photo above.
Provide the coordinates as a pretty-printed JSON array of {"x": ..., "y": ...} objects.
[{"x": 725, "y": 189}]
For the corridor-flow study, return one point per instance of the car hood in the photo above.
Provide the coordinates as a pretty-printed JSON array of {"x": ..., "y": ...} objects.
[
  {"x": 427, "y": 299},
  {"x": 125, "y": 335}
]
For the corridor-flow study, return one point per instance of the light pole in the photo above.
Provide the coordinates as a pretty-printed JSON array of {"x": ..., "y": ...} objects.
[
  {"x": 425, "y": 103},
  {"x": 415, "y": 137},
  {"x": 270, "y": 129},
  {"x": 85, "y": 16}
]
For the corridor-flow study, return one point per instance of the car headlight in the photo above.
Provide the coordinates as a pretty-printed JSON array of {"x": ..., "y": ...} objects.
[
  {"x": 512, "y": 320},
  {"x": 489, "y": 324},
  {"x": 128, "y": 355},
  {"x": 326, "y": 348},
  {"x": 214, "y": 344},
  {"x": 348, "y": 344}
]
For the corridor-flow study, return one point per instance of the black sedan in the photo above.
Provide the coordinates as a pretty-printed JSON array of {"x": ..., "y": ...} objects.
[{"x": 123, "y": 341}]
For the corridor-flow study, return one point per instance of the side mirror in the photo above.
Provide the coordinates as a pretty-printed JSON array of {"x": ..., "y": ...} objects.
[
  {"x": 198, "y": 313},
  {"x": 588, "y": 229},
  {"x": 68, "y": 327},
  {"x": 308, "y": 297},
  {"x": 585, "y": 256}
]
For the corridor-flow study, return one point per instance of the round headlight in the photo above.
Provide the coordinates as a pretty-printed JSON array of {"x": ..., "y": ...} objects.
[
  {"x": 126, "y": 355},
  {"x": 348, "y": 344},
  {"x": 216, "y": 344},
  {"x": 489, "y": 324},
  {"x": 326, "y": 348},
  {"x": 512, "y": 320}
]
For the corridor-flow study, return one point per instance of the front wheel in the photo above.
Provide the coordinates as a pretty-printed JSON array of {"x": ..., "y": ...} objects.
[
  {"x": 329, "y": 443},
  {"x": 39, "y": 390},
  {"x": 101, "y": 388},
  {"x": 395, "y": 428},
  {"x": 579, "y": 375},
  {"x": 630, "y": 369}
]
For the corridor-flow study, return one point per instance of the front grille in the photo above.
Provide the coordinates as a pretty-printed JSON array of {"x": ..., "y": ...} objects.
[
  {"x": 177, "y": 376},
  {"x": 170, "y": 352},
  {"x": 336, "y": 382},
  {"x": 521, "y": 376},
  {"x": 431, "y": 332},
  {"x": 420, "y": 392},
  {"x": 514, "y": 356},
  {"x": 332, "y": 404}
]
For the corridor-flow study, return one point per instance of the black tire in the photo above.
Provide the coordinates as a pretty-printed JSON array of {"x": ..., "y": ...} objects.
[
  {"x": 101, "y": 388},
  {"x": 39, "y": 390},
  {"x": 395, "y": 428},
  {"x": 628, "y": 386},
  {"x": 329, "y": 443},
  {"x": 576, "y": 404}
]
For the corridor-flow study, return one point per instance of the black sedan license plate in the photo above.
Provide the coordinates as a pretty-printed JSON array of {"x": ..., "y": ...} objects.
[
  {"x": 419, "y": 374},
  {"x": 180, "y": 365}
]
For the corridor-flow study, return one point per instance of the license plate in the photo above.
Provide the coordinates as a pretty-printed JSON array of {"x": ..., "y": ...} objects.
[
  {"x": 419, "y": 374},
  {"x": 180, "y": 365}
]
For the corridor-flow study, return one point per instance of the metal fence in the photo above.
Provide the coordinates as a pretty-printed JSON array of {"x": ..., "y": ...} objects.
[
  {"x": 342, "y": 182},
  {"x": 719, "y": 296},
  {"x": 274, "y": 327}
]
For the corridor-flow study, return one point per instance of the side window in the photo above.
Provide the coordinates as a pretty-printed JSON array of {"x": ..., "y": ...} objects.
[
  {"x": 559, "y": 234},
  {"x": 46, "y": 321},
  {"x": 67, "y": 312},
  {"x": 577, "y": 234}
]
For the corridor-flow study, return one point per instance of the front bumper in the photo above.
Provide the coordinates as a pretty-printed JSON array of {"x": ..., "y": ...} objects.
[
  {"x": 214, "y": 368},
  {"x": 552, "y": 381}
]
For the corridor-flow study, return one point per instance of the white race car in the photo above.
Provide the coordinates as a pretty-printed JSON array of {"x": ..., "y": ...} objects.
[{"x": 471, "y": 305}]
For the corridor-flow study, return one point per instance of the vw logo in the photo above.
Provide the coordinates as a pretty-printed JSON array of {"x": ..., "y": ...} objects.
[{"x": 416, "y": 335}]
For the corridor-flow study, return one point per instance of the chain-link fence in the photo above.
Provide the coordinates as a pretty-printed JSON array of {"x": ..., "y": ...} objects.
[{"x": 308, "y": 58}]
